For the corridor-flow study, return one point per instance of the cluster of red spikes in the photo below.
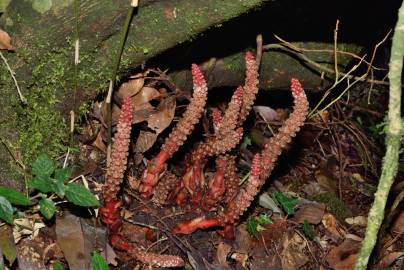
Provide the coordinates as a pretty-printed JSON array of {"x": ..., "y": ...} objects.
[{"x": 220, "y": 199}]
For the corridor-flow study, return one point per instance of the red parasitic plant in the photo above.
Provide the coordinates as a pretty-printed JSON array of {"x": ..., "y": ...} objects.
[{"x": 220, "y": 198}]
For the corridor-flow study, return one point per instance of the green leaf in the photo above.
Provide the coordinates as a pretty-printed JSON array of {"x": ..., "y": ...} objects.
[
  {"x": 80, "y": 195},
  {"x": 62, "y": 175},
  {"x": 252, "y": 226},
  {"x": 263, "y": 219},
  {"x": 43, "y": 166},
  {"x": 47, "y": 208},
  {"x": 42, "y": 183},
  {"x": 58, "y": 266},
  {"x": 6, "y": 210},
  {"x": 99, "y": 262},
  {"x": 58, "y": 187},
  {"x": 287, "y": 204},
  {"x": 13, "y": 196}
]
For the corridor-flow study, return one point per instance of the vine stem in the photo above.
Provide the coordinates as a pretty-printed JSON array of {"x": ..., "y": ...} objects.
[
  {"x": 393, "y": 143},
  {"x": 112, "y": 83}
]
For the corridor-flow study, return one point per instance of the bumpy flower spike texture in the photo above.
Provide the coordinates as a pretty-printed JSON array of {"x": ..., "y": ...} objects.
[
  {"x": 222, "y": 189},
  {"x": 113, "y": 179},
  {"x": 179, "y": 134},
  {"x": 261, "y": 168}
]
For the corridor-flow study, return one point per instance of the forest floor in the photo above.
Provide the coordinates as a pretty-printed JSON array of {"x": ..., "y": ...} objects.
[{"x": 310, "y": 214}]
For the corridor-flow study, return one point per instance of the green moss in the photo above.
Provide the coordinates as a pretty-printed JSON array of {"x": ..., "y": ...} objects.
[
  {"x": 41, "y": 5},
  {"x": 334, "y": 204},
  {"x": 235, "y": 63},
  {"x": 41, "y": 125}
]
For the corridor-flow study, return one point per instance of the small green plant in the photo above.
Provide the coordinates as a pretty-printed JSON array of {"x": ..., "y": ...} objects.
[
  {"x": 309, "y": 231},
  {"x": 99, "y": 262},
  {"x": 58, "y": 266},
  {"x": 254, "y": 224},
  {"x": 288, "y": 204},
  {"x": 51, "y": 183}
]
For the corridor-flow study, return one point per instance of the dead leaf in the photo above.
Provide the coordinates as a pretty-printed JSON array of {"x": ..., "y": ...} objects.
[
  {"x": 331, "y": 224},
  {"x": 7, "y": 244},
  {"x": 142, "y": 99},
  {"x": 325, "y": 180},
  {"x": 398, "y": 225},
  {"x": 312, "y": 212},
  {"x": 116, "y": 111},
  {"x": 292, "y": 255},
  {"x": 132, "y": 87},
  {"x": 358, "y": 221},
  {"x": 267, "y": 113},
  {"x": 388, "y": 260},
  {"x": 163, "y": 116},
  {"x": 5, "y": 41},
  {"x": 313, "y": 188},
  {"x": 71, "y": 240},
  {"x": 222, "y": 252},
  {"x": 267, "y": 202},
  {"x": 347, "y": 263},
  {"x": 110, "y": 255},
  {"x": 145, "y": 140},
  {"x": 30, "y": 255},
  {"x": 241, "y": 258},
  {"x": 341, "y": 255},
  {"x": 26, "y": 226},
  {"x": 99, "y": 143}
]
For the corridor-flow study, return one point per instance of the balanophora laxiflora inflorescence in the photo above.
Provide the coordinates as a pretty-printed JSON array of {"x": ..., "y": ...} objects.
[{"x": 192, "y": 187}]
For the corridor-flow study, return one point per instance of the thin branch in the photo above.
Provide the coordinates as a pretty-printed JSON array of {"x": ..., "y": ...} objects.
[{"x": 22, "y": 98}]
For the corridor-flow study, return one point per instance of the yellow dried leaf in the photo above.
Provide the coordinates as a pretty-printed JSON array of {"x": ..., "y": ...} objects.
[{"x": 5, "y": 41}]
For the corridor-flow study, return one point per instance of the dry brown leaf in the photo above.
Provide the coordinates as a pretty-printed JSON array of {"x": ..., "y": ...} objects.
[
  {"x": 142, "y": 99},
  {"x": 292, "y": 255},
  {"x": 358, "y": 221},
  {"x": 7, "y": 244},
  {"x": 71, "y": 240},
  {"x": 326, "y": 181},
  {"x": 26, "y": 226},
  {"x": 313, "y": 188},
  {"x": 116, "y": 111},
  {"x": 30, "y": 255},
  {"x": 398, "y": 225},
  {"x": 99, "y": 143},
  {"x": 331, "y": 224},
  {"x": 132, "y": 87},
  {"x": 347, "y": 263},
  {"x": 163, "y": 116},
  {"x": 5, "y": 41},
  {"x": 389, "y": 259},
  {"x": 312, "y": 212},
  {"x": 110, "y": 255},
  {"x": 267, "y": 113},
  {"x": 339, "y": 256},
  {"x": 222, "y": 252},
  {"x": 145, "y": 140}
]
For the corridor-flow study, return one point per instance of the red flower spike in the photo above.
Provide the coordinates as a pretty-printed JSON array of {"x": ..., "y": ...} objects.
[
  {"x": 197, "y": 76},
  {"x": 120, "y": 148},
  {"x": 178, "y": 135},
  {"x": 216, "y": 118},
  {"x": 190, "y": 226},
  {"x": 296, "y": 87},
  {"x": 249, "y": 56}
]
